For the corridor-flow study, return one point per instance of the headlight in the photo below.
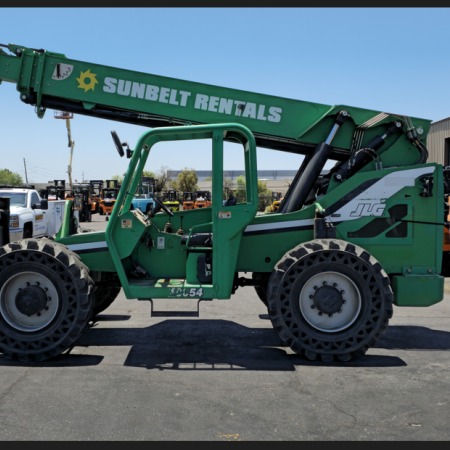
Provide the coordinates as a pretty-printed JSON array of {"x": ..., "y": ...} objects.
[{"x": 14, "y": 221}]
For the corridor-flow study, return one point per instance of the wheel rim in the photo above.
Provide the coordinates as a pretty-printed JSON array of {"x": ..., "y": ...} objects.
[
  {"x": 330, "y": 301},
  {"x": 28, "y": 301}
]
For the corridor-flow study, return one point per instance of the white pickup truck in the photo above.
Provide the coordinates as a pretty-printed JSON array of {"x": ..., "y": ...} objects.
[{"x": 30, "y": 215}]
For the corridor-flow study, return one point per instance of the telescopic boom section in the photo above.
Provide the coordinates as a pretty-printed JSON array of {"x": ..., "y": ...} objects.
[{"x": 47, "y": 79}]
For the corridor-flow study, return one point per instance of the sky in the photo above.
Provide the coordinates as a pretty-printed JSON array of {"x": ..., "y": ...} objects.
[{"x": 386, "y": 59}]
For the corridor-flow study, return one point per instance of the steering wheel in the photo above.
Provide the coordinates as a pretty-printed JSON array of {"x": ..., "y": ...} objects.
[
  {"x": 163, "y": 206},
  {"x": 117, "y": 142}
]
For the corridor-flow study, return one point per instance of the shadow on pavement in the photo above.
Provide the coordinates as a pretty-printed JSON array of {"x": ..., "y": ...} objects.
[{"x": 225, "y": 345}]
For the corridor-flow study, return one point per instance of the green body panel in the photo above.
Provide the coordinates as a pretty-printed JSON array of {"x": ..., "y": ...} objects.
[
  {"x": 392, "y": 205},
  {"x": 417, "y": 290},
  {"x": 404, "y": 237}
]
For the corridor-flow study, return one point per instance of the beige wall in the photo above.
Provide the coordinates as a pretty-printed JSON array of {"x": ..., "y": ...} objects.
[{"x": 439, "y": 132}]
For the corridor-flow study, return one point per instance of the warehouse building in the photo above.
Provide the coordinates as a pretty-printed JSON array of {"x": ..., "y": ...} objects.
[{"x": 438, "y": 142}]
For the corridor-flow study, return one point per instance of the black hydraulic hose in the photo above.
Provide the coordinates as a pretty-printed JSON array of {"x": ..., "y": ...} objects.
[
  {"x": 413, "y": 137},
  {"x": 361, "y": 158},
  {"x": 301, "y": 191},
  {"x": 422, "y": 149},
  {"x": 305, "y": 181}
]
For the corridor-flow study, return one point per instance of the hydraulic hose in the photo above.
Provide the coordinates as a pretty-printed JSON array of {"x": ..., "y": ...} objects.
[{"x": 361, "y": 158}]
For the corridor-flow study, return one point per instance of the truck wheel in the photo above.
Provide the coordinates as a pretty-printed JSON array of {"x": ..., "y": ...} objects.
[
  {"x": 329, "y": 300},
  {"x": 45, "y": 299}
]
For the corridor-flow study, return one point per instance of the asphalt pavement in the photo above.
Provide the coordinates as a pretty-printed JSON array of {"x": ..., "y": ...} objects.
[{"x": 225, "y": 376}]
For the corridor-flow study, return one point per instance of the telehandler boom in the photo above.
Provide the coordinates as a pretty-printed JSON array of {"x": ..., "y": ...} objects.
[{"x": 344, "y": 246}]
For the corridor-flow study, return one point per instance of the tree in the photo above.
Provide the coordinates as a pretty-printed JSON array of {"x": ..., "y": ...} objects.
[
  {"x": 161, "y": 179},
  {"x": 227, "y": 185},
  {"x": 119, "y": 178},
  {"x": 186, "y": 181},
  {"x": 11, "y": 178},
  {"x": 240, "y": 191},
  {"x": 264, "y": 194},
  {"x": 149, "y": 174}
]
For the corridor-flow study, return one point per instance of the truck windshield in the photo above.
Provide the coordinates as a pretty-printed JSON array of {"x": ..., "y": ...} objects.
[{"x": 16, "y": 199}]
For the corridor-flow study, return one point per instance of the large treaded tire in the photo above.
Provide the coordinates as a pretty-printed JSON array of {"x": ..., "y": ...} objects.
[
  {"x": 330, "y": 300},
  {"x": 107, "y": 288},
  {"x": 45, "y": 299}
]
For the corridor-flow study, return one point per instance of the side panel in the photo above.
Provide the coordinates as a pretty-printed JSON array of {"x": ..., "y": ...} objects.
[
  {"x": 390, "y": 213},
  {"x": 54, "y": 216}
]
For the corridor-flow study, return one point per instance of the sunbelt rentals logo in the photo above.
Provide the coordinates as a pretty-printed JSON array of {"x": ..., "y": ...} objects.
[
  {"x": 228, "y": 105},
  {"x": 87, "y": 81}
]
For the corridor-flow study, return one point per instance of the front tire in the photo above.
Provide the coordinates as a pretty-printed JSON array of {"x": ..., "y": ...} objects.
[
  {"x": 329, "y": 300},
  {"x": 45, "y": 299}
]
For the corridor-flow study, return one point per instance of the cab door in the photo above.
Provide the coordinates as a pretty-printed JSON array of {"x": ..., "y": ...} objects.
[{"x": 40, "y": 220}]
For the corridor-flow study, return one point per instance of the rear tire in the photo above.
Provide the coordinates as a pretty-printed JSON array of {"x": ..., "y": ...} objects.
[
  {"x": 45, "y": 299},
  {"x": 329, "y": 300}
]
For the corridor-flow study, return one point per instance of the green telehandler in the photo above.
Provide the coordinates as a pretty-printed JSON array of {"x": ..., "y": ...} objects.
[{"x": 345, "y": 245}]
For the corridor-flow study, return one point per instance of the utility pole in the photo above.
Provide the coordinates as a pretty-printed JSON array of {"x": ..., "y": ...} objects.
[{"x": 25, "y": 166}]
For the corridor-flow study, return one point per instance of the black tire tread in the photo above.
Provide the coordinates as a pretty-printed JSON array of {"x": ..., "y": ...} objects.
[
  {"x": 328, "y": 349},
  {"x": 48, "y": 344}
]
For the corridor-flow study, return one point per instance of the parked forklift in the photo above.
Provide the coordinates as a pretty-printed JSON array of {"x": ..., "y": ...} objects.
[
  {"x": 108, "y": 197},
  {"x": 188, "y": 200},
  {"x": 202, "y": 199},
  {"x": 277, "y": 197},
  {"x": 96, "y": 187},
  {"x": 54, "y": 191},
  {"x": 170, "y": 199},
  {"x": 81, "y": 197},
  {"x": 144, "y": 194}
]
